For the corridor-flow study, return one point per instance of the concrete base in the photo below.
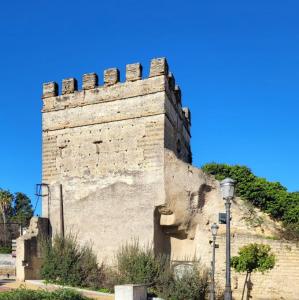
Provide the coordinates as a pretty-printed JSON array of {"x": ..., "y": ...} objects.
[{"x": 130, "y": 292}]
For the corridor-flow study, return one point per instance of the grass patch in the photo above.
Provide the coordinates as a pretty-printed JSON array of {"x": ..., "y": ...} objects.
[
  {"x": 25, "y": 294},
  {"x": 5, "y": 250}
]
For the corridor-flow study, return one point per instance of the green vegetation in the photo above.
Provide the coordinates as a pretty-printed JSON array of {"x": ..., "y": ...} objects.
[
  {"x": 66, "y": 263},
  {"x": 136, "y": 264},
  {"x": 24, "y": 294},
  {"x": 5, "y": 249},
  {"x": 140, "y": 265},
  {"x": 191, "y": 285},
  {"x": 270, "y": 197},
  {"x": 22, "y": 209},
  {"x": 15, "y": 208},
  {"x": 253, "y": 257}
]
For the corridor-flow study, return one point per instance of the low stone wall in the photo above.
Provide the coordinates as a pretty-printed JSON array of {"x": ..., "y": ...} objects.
[
  {"x": 29, "y": 256},
  {"x": 7, "y": 265},
  {"x": 279, "y": 283}
]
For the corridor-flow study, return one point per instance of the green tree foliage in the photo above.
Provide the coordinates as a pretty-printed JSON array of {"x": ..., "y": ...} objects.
[
  {"x": 254, "y": 257},
  {"x": 65, "y": 262},
  {"x": 22, "y": 209},
  {"x": 5, "y": 207},
  {"x": 15, "y": 207},
  {"x": 270, "y": 197},
  {"x": 6, "y": 199}
]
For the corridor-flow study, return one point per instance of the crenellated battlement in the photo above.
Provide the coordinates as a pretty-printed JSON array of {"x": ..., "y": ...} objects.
[
  {"x": 91, "y": 92},
  {"x": 158, "y": 67}
]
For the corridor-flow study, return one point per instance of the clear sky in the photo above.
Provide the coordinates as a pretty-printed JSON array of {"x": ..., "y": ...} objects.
[{"x": 237, "y": 63}]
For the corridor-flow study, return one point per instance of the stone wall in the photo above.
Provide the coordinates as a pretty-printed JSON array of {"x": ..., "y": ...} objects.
[
  {"x": 192, "y": 206},
  {"x": 279, "y": 283},
  {"x": 29, "y": 249},
  {"x": 105, "y": 146}
]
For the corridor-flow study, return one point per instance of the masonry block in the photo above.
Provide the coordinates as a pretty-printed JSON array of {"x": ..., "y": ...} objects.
[
  {"x": 111, "y": 76},
  {"x": 178, "y": 94},
  {"x": 187, "y": 113},
  {"x": 69, "y": 85},
  {"x": 133, "y": 72},
  {"x": 158, "y": 67},
  {"x": 50, "y": 89},
  {"x": 171, "y": 81},
  {"x": 130, "y": 292},
  {"x": 90, "y": 81}
]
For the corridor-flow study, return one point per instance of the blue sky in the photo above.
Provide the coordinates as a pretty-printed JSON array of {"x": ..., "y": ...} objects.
[{"x": 237, "y": 63}]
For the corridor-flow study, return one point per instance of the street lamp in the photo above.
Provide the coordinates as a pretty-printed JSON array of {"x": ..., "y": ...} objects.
[
  {"x": 214, "y": 229},
  {"x": 228, "y": 190}
]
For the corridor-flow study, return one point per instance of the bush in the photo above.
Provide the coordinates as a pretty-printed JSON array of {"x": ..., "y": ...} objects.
[
  {"x": 24, "y": 294},
  {"x": 191, "y": 285},
  {"x": 270, "y": 197},
  {"x": 139, "y": 265},
  {"x": 253, "y": 257},
  {"x": 66, "y": 263},
  {"x": 5, "y": 250}
]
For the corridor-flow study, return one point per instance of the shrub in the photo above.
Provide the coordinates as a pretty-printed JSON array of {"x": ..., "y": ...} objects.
[
  {"x": 5, "y": 250},
  {"x": 139, "y": 265},
  {"x": 191, "y": 285},
  {"x": 66, "y": 263},
  {"x": 24, "y": 294}
]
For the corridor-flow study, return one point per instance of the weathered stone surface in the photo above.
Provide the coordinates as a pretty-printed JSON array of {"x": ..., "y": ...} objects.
[
  {"x": 130, "y": 292},
  {"x": 29, "y": 249},
  {"x": 195, "y": 200},
  {"x": 158, "y": 67},
  {"x": 50, "y": 89},
  {"x": 133, "y": 72},
  {"x": 69, "y": 85},
  {"x": 122, "y": 152},
  {"x": 187, "y": 113},
  {"x": 178, "y": 94},
  {"x": 111, "y": 76},
  {"x": 171, "y": 80},
  {"x": 90, "y": 81}
]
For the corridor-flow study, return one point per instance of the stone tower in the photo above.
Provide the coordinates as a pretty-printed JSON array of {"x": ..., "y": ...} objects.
[
  {"x": 104, "y": 146},
  {"x": 116, "y": 166}
]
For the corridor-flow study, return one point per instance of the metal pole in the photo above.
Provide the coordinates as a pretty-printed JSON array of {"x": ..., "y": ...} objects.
[
  {"x": 212, "y": 295},
  {"x": 61, "y": 213},
  {"x": 228, "y": 290}
]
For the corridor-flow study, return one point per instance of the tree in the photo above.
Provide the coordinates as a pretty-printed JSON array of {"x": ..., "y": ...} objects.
[
  {"x": 22, "y": 209},
  {"x": 5, "y": 204},
  {"x": 253, "y": 257}
]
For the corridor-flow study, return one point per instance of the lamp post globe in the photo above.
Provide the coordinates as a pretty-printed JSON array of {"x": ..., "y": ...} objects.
[
  {"x": 214, "y": 229},
  {"x": 227, "y": 187}
]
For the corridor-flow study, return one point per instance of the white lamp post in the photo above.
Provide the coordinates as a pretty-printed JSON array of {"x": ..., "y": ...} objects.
[{"x": 228, "y": 191}]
